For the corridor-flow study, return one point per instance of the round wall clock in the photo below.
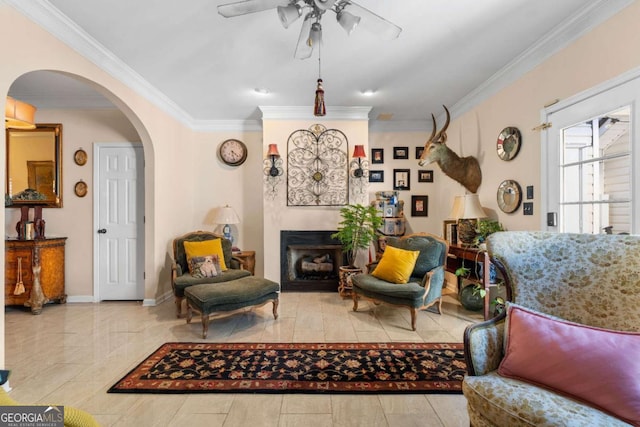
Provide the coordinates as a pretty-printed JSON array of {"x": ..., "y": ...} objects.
[
  {"x": 233, "y": 152},
  {"x": 80, "y": 157},
  {"x": 509, "y": 196},
  {"x": 508, "y": 143}
]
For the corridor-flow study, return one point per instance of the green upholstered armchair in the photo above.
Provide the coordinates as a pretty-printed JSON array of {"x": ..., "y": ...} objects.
[
  {"x": 588, "y": 279},
  {"x": 180, "y": 277},
  {"x": 424, "y": 288}
]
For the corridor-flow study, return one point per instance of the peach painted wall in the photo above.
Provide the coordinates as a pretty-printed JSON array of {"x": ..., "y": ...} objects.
[
  {"x": 157, "y": 130},
  {"x": 240, "y": 187}
]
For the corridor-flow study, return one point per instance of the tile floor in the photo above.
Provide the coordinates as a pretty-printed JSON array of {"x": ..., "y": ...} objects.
[{"x": 72, "y": 353}]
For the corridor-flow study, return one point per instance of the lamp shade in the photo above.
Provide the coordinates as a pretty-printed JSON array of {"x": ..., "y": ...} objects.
[
  {"x": 472, "y": 207},
  {"x": 226, "y": 215},
  {"x": 315, "y": 35},
  {"x": 348, "y": 21},
  {"x": 358, "y": 152},
  {"x": 289, "y": 14},
  {"x": 273, "y": 150},
  {"x": 19, "y": 115},
  {"x": 457, "y": 208}
]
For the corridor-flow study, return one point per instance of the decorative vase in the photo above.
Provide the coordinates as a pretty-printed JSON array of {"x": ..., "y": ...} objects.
[
  {"x": 493, "y": 273},
  {"x": 345, "y": 274},
  {"x": 471, "y": 299}
]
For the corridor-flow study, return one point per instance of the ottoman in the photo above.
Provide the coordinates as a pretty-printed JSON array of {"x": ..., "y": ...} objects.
[{"x": 230, "y": 297}]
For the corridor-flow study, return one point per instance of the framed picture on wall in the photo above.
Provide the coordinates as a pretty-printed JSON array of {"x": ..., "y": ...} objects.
[
  {"x": 400, "y": 152},
  {"x": 419, "y": 151},
  {"x": 376, "y": 176},
  {"x": 425, "y": 176},
  {"x": 419, "y": 205},
  {"x": 377, "y": 155},
  {"x": 401, "y": 179}
]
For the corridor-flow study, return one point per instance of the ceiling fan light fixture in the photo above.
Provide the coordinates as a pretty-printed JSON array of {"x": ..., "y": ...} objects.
[
  {"x": 348, "y": 21},
  {"x": 315, "y": 35},
  {"x": 289, "y": 14}
]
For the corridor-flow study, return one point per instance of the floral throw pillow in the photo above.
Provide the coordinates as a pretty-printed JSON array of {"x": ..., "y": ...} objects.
[{"x": 204, "y": 266}]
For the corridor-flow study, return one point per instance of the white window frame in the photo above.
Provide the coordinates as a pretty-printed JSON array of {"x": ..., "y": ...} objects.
[{"x": 616, "y": 93}]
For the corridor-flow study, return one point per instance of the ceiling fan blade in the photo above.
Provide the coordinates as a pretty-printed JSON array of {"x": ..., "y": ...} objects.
[
  {"x": 304, "y": 49},
  {"x": 249, "y": 6},
  {"x": 372, "y": 22}
]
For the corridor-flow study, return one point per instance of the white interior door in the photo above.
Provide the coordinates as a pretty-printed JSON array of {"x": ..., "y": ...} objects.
[{"x": 119, "y": 221}]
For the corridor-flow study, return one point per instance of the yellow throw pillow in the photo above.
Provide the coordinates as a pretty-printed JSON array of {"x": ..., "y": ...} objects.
[
  {"x": 205, "y": 248},
  {"x": 396, "y": 265}
]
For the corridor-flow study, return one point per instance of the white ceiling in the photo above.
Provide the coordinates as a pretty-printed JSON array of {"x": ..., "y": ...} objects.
[{"x": 203, "y": 68}]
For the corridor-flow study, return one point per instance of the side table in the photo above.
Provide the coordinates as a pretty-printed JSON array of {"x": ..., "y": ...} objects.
[{"x": 249, "y": 260}]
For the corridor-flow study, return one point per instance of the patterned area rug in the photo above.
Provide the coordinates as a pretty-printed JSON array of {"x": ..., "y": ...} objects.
[{"x": 298, "y": 368}]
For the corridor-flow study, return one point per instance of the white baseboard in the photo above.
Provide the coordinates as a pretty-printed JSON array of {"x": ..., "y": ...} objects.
[
  {"x": 152, "y": 302},
  {"x": 80, "y": 298}
]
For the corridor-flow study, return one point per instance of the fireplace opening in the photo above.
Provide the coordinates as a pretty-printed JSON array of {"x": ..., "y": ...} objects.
[{"x": 309, "y": 261}]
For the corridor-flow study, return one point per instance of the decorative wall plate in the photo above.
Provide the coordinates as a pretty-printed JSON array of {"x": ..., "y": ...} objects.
[
  {"x": 509, "y": 196},
  {"x": 508, "y": 143},
  {"x": 80, "y": 188},
  {"x": 80, "y": 157}
]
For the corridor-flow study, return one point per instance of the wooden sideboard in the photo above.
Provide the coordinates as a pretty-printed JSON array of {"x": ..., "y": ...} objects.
[{"x": 42, "y": 262}]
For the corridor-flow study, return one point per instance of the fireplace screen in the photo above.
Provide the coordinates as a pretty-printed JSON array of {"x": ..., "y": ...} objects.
[{"x": 310, "y": 260}]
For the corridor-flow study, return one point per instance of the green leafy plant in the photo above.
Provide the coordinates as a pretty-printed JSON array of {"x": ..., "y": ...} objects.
[
  {"x": 485, "y": 228},
  {"x": 357, "y": 229},
  {"x": 463, "y": 271}
]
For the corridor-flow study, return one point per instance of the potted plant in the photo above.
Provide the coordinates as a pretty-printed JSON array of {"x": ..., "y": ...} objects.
[
  {"x": 472, "y": 295},
  {"x": 485, "y": 228},
  {"x": 356, "y": 231}
]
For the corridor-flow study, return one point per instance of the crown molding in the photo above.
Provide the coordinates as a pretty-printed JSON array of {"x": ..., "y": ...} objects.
[
  {"x": 560, "y": 37},
  {"x": 305, "y": 113},
  {"x": 226, "y": 125}
]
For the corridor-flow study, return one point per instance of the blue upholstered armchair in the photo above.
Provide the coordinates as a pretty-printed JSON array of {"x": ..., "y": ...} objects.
[{"x": 424, "y": 286}]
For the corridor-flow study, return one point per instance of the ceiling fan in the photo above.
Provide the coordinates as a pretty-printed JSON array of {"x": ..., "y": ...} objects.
[{"x": 348, "y": 14}]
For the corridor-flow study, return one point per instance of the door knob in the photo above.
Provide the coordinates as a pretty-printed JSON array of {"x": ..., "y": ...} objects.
[{"x": 102, "y": 231}]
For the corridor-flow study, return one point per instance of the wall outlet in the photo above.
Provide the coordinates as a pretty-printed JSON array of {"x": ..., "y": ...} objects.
[{"x": 527, "y": 208}]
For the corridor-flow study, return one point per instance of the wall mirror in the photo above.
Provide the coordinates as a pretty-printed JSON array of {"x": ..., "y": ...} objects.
[{"x": 34, "y": 166}]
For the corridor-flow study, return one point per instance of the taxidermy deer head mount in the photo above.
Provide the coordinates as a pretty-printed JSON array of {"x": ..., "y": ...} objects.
[{"x": 465, "y": 170}]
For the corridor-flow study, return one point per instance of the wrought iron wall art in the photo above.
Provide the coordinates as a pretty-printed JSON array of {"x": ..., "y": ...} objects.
[{"x": 317, "y": 169}]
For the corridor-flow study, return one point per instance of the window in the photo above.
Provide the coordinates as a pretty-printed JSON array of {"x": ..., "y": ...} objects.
[
  {"x": 595, "y": 171},
  {"x": 590, "y": 156}
]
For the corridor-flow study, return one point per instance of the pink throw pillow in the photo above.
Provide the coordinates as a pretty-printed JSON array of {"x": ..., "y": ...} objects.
[{"x": 598, "y": 366}]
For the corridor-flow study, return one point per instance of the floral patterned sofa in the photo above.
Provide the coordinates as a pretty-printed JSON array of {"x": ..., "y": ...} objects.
[{"x": 587, "y": 279}]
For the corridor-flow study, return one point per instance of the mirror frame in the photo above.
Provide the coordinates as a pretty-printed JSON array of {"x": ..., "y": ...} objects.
[{"x": 56, "y": 129}]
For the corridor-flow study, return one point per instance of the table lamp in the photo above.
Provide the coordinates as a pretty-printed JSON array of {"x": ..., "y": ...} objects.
[
  {"x": 468, "y": 218},
  {"x": 226, "y": 216}
]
